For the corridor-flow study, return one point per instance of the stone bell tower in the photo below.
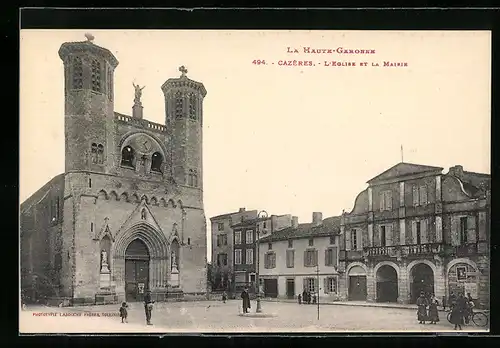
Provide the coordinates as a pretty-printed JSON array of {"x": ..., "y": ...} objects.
[
  {"x": 184, "y": 117},
  {"x": 89, "y": 116}
]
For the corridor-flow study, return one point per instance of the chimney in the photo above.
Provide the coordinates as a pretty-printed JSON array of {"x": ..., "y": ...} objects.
[
  {"x": 457, "y": 171},
  {"x": 241, "y": 210},
  {"x": 317, "y": 218},
  {"x": 295, "y": 221}
]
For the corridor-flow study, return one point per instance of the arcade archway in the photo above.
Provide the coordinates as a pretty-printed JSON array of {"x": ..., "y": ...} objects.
[
  {"x": 422, "y": 280},
  {"x": 387, "y": 284}
]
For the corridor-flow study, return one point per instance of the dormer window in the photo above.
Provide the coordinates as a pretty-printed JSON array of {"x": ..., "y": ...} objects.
[
  {"x": 128, "y": 156},
  {"x": 193, "y": 178}
]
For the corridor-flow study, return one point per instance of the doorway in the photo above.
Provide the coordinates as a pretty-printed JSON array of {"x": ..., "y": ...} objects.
[
  {"x": 136, "y": 271},
  {"x": 387, "y": 284},
  {"x": 270, "y": 287},
  {"x": 357, "y": 288},
  {"x": 290, "y": 288},
  {"x": 422, "y": 280}
]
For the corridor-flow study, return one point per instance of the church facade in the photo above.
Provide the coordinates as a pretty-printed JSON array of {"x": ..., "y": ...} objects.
[{"x": 127, "y": 214}]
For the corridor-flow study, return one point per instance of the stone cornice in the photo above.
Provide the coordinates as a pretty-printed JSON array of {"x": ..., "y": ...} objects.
[
  {"x": 85, "y": 46},
  {"x": 184, "y": 82}
]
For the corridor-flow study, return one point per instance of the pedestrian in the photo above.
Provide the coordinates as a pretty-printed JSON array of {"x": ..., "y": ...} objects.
[
  {"x": 246, "y": 300},
  {"x": 309, "y": 298},
  {"x": 453, "y": 299},
  {"x": 124, "y": 312},
  {"x": 224, "y": 297},
  {"x": 457, "y": 312},
  {"x": 444, "y": 303},
  {"x": 299, "y": 298},
  {"x": 422, "y": 304},
  {"x": 433, "y": 310},
  {"x": 304, "y": 296},
  {"x": 148, "y": 306},
  {"x": 314, "y": 298}
]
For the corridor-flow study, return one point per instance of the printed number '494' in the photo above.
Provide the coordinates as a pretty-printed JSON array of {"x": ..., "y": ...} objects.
[{"x": 258, "y": 62}]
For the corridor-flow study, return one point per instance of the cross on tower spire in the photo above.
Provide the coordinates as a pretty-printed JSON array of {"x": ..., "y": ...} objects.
[{"x": 183, "y": 70}]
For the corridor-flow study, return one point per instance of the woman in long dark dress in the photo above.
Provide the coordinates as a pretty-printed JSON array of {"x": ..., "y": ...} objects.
[
  {"x": 433, "y": 311},
  {"x": 422, "y": 308}
]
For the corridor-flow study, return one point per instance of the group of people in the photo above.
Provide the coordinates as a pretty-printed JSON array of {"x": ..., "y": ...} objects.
[
  {"x": 306, "y": 297},
  {"x": 148, "y": 308},
  {"x": 427, "y": 309},
  {"x": 461, "y": 309}
]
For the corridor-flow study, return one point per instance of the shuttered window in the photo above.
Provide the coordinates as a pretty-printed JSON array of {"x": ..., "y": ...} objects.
[
  {"x": 331, "y": 257},
  {"x": 354, "y": 239},
  {"x": 290, "y": 256},
  {"x": 310, "y": 258},
  {"x": 471, "y": 229},
  {"x": 424, "y": 238},
  {"x": 415, "y": 195},
  {"x": 270, "y": 260},
  {"x": 455, "y": 231},
  {"x": 330, "y": 286},
  {"x": 237, "y": 256},
  {"x": 423, "y": 195},
  {"x": 311, "y": 284},
  {"x": 385, "y": 200}
]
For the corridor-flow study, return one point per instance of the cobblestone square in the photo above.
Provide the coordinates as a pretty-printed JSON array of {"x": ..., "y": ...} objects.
[{"x": 210, "y": 316}]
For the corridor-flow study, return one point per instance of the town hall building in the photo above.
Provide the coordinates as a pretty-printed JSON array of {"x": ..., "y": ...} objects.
[{"x": 127, "y": 214}]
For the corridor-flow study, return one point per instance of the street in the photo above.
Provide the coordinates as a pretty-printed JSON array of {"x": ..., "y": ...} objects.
[{"x": 211, "y": 316}]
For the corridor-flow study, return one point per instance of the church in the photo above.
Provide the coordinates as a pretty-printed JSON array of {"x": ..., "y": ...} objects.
[{"x": 127, "y": 214}]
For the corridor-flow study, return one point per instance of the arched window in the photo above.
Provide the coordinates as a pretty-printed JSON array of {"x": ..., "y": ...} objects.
[
  {"x": 192, "y": 106},
  {"x": 156, "y": 161},
  {"x": 190, "y": 177},
  {"x": 100, "y": 154},
  {"x": 109, "y": 80},
  {"x": 96, "y": 76},
  {"x": 128, "y": 156},
  {"x": 93, "y": 152},
  {"x": 195, "y": 178},
  {"x": 178, "y": 105},
  {"x": 77, "y": 82}
]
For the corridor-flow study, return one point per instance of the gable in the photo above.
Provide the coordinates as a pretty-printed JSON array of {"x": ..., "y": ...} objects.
[
  {"x": 405, "y": 169},
  {"x": 141, "y": 214}
]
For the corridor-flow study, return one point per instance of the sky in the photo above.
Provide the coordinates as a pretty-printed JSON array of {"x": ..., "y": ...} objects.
[{"x": 286, "y": 139}]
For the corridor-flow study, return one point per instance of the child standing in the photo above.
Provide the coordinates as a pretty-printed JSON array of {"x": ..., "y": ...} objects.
[
  {"x": 433, "y": 311},
  {"x": 224, "y": 297},
  {"x": 123, "y": 312}
]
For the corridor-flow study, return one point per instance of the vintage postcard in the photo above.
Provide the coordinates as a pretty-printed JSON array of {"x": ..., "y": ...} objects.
[{"x": 254, "y": 181}]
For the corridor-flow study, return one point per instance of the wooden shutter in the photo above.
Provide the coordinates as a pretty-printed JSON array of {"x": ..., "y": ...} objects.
[
  {"x": 471, "y": 229},
  {"x": 348, "y": 240},
  {"x": 305, "y": 258},
  {"x": 423, "y": 195},
  {"x": 381, "y": 197},
  {"x": 327, "y": 263},
  {"x": 333, "y": 256},
  {"x": 325, "y": 286},
  {"x": 359, "y": 237},
  {"x": 265, "y": 261},
  {"x": 455, "y": 225},
  {"x": 415, "y": 195},
  {"x": 389, "y": 200},
  {"x": 315, "y": 257},
  {"x": 305, "y": 284},
  {"x": 423, "y": 232},
  {"x": 414, "y": 232},
  {"x": 316, "y": 285},
  {"x": 388, "y": 235}
]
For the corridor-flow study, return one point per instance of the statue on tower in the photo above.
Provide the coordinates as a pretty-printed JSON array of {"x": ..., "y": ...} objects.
[
  {"x": 138, "y": 93},
  {"x": 183, "y": 71}
]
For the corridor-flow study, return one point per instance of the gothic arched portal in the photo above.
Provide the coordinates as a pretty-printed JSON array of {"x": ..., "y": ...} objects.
[{"x": 136, "y": 270}]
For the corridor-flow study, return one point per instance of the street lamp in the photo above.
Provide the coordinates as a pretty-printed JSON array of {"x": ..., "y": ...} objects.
[{"x": 262, "y": 215}]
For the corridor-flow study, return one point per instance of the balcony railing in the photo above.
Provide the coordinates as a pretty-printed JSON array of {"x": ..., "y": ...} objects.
[
  {"x": 404, "y": 250},
  {"x": 465, "y": 250}
]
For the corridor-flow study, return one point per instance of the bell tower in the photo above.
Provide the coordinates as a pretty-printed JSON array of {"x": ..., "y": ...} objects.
[
  {"x": 184, "y": 118},
  {"x": 89, "y": 109}
]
